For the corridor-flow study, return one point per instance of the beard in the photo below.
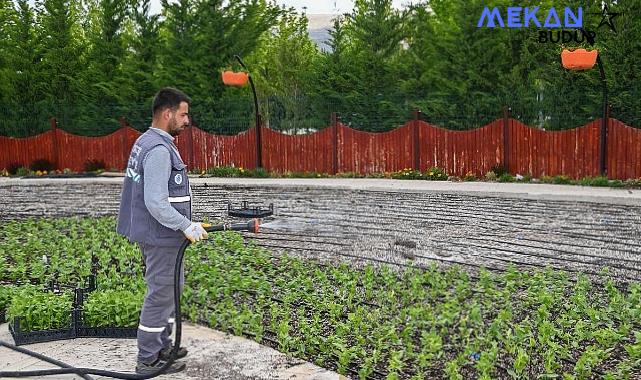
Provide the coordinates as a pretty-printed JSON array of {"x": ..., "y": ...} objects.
[{"x": 173, "y": 128}]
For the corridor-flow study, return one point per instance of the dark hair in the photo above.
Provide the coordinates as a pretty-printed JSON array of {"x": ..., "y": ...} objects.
[{"x": 168, "y": 97}]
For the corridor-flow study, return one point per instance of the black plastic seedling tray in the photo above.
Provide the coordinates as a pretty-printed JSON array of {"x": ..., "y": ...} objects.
[
  {"x": 84, "y": 331},
  {"x": 76, "y": 328},
  {"x": 107, "y": 332},
  {"x": 246, "y": 211},
  {"x": 40, "y": 336}
]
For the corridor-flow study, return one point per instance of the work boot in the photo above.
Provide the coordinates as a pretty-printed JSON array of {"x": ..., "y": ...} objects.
[
  {"x": 165, "y": 353},
  {"x": 147, "y": 369}
]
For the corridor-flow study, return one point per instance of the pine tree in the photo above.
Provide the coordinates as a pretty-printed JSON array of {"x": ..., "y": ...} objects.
[
  {"x": 140, "y": 64},
  {"x": 7, "y": 47},
  {"x": 63, "y": 51}
]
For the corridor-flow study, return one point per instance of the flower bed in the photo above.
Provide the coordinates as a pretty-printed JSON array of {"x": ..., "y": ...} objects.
[{"x": 375, "y": 322}]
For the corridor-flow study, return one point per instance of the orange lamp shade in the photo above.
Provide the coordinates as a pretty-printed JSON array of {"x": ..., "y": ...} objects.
[
  {"x": 579, "y": 59},
  {"x": 231, "y": 78}
]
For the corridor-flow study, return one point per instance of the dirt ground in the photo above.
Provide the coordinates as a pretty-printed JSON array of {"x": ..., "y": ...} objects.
[{"x": 395, "y": 222}]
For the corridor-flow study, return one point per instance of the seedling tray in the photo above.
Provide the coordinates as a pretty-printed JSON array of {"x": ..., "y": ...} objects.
[
  {"x": 2, "y": 316},
  {"x": 76, "y": 329},
  {"x": 40, "y": 336},
  {"x": 84, "y": 331},
  {"x": 107, "y": 332},
  {"x": 245, "y": 211}
]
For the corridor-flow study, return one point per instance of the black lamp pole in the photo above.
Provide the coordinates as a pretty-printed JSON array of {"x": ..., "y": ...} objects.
[
  {"x": 259, "y": 160},
  {"x": 604, "y": 117}
]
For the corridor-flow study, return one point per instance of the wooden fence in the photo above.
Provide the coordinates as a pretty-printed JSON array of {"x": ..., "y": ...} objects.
[{"x": 338, "y": 148}]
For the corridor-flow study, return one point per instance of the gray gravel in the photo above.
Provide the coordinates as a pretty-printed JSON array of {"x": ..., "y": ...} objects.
[{"x": 401, "y": 222}]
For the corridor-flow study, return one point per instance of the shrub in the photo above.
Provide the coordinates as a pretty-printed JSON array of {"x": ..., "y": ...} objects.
[
  {"x": 349, "y": 175},
  {"x": 94, "y": 165},
  {"x": 13, "y": 168},
  {"x": 223, "y": 171},
  {"x": 260, "y": 173},
  {"x": 469, "y": 176},
  {"x": 490, "y": 176},
  {"x": 407, "y": 173},
  {"x": 22, "y": 171},
  {"x": 506, "y": 177},
  {"x": 41, "y": 164},
  {"x": 378, "y": 175},
  {"x": 633, "y": 182},
  {"x": 594, "y": 181},
  {"x": 305, "y": 175},
  {"x": 499, "y": 170},
  {"x": 561, "y": 180},
  {"x": 616, "y": 183},
  {"x": 242, "y": 172},
  {"x": 436, "y": 174}
]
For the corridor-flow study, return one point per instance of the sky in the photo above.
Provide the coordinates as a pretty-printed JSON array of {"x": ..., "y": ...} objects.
[{"x": 313, "y": 6}]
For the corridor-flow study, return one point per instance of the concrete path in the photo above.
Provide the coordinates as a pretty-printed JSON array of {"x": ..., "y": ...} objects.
[
  {"x": 511, "y": 190},
  {"x": 538, "y": 191},
  {"x": 212, "y": 355}
]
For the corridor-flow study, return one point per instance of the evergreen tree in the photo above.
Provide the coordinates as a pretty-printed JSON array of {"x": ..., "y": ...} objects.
[
  {"x": 107, "y": 87},
  {"x": 140, "y": 65},
  {"x": 61, "y": 59},
  {"x": 88, "y": 62},
  {"x": 29, "y": 91},
  {"x": 285, "y": 61},
  {"x": 7, "y": 69},
  {"x": 334, "y": 74}
]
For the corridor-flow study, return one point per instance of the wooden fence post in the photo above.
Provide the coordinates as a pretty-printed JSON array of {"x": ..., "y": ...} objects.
[
  {"x": 506, "y": 138},
  {"x": 54, "y": 142},
  {"x": 123, "y": 141},
  {"x": 190, "y": 144},
  {"x": 334, "y": 121},
  {"x": 259, "y": 142},
  {"x": 416, "y": 139},
  {"x": 603, "y": 143}
]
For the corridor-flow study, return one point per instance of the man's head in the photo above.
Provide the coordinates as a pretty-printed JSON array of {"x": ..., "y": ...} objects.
[{"x": 171, "y": 110}]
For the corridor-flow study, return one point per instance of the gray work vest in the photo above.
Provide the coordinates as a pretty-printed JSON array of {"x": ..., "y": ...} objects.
[{"x": 134, "y": 220}]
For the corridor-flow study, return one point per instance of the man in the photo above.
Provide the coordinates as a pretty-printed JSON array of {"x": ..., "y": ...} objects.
[{"x": 155, "y": 212}]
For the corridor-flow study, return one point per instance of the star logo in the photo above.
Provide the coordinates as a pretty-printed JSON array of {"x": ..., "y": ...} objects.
[{"x": 607, "y": 17}]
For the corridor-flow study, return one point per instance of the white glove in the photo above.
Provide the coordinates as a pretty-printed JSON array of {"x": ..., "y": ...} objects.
[{"x": 195, "y": 232}]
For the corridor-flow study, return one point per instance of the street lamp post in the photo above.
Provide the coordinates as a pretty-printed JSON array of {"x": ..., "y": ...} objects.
[
  {"x": 240, "y": 79},
  {"x": 586, "y": 65}
]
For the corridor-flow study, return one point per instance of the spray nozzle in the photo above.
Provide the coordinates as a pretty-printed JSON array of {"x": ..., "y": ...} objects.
[{"x": 251, "y": 226}]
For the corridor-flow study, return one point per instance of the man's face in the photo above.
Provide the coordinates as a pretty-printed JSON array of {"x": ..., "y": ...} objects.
[{"x": 179, "y": 119}]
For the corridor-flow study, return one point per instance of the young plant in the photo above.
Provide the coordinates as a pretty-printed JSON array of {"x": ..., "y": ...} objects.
[
  {"x": 40, "y": 310},
  {"x": 112, "y": 308}
]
